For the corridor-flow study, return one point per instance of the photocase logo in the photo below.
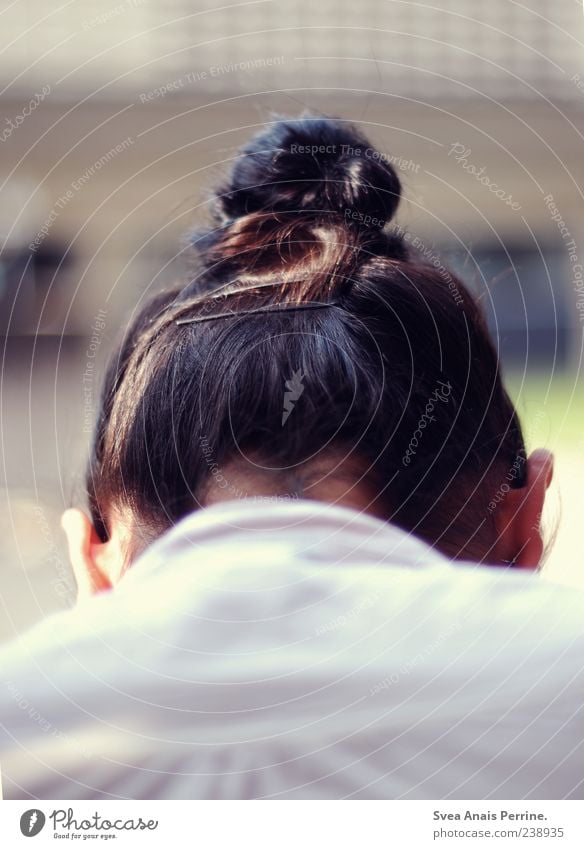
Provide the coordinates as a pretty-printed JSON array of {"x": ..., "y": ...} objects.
[
  {"x": 32, "y": 822},
  {"x": 294, "y": 389},
  {"x": 66, "y": 825}
]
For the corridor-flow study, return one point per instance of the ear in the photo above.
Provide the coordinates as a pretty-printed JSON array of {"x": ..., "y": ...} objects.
[
  {"x": 86, "y": 553},
  {"x": 519, "y": 520}
]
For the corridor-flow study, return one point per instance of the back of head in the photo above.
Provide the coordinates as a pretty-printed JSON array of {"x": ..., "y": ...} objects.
[{"x": 309, "y": 344}]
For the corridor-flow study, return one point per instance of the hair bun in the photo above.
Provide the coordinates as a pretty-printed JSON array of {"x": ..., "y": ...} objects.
[{"x": 311, "y": 164}]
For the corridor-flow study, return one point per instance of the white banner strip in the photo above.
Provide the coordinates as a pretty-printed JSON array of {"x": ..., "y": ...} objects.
[{"x": 295, "y": 825}]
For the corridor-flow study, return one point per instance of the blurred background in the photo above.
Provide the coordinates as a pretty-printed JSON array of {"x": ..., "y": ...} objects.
[{"x": 116, "y": 117}]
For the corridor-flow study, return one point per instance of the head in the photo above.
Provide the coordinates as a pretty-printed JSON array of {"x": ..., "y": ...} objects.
[{"x": 312, "y": 354}]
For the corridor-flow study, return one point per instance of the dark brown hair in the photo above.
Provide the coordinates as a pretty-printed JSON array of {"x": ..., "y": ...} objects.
[{"x": 301, "y": 277}]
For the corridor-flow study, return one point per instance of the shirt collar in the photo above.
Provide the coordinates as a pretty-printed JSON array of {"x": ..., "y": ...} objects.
[{"x": 312, "y": 531}]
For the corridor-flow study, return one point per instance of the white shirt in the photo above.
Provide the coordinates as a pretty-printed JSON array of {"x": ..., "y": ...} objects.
[{"x": 300, "y": 650}]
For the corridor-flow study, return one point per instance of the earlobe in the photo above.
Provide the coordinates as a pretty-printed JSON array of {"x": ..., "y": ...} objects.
[
  {"x": 84, "y": 549},
  {"x": 525, "y": 508}
]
